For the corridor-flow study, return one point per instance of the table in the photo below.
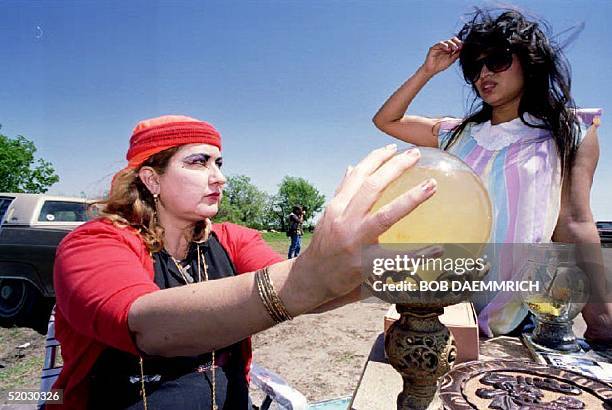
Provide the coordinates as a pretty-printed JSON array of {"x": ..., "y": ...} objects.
[{"x": 380, "y": 384}]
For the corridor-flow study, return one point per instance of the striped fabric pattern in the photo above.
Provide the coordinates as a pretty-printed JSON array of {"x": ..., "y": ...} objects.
[{"x": 520, "y": 167}]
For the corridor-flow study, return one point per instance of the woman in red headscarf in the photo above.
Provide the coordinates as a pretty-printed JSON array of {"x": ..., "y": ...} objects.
[{"x": 155, "y": 305}]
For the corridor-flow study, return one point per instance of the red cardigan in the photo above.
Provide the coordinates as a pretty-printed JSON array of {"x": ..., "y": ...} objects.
[{"x": 100, "y": 270}]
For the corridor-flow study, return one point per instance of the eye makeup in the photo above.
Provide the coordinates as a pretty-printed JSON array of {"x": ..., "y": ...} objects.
[{"x": 201, "y": 159}]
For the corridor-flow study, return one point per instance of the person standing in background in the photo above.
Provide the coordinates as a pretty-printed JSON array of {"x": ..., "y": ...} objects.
[{"x": 296, "y": 219}]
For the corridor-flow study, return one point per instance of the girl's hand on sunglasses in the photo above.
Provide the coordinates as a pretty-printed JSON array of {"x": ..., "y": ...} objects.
[{"x": 442, "y": 55}]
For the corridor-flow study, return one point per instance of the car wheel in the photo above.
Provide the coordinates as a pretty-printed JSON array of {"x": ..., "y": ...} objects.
[{"x": 18, "y": 299}]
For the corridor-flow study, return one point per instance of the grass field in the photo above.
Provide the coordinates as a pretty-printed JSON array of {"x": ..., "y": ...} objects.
[{"x": 279, "y": 241}]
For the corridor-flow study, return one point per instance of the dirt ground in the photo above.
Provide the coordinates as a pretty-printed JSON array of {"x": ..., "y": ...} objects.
[
  {"x": 322, "y": 355},
  {"x": 21, "y": 358},
  {"x": 319, "y": 355}
]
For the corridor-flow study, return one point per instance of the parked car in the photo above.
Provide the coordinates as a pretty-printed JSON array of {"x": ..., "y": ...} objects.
[
  {"x": 31, "y": 227},
  {"x": 605, "y": 233}
]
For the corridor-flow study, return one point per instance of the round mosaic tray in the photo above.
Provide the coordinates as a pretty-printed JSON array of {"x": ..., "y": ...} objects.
[{"x": 513, "y": 385}]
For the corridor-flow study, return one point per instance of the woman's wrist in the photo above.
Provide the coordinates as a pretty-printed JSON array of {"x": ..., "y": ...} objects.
[
  {"x": 301, "y": 291},
  {"x": 269, "y": 297},
  {"x": 425, "y": 73}
]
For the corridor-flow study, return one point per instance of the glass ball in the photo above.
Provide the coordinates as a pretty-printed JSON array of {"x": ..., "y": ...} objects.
[
  {"x": 459, "y": 212},
  {"x": 457, "y": 217}
]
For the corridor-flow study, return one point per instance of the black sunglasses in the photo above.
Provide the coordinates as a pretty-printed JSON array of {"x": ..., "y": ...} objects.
[{"x": 496, "y": 61}]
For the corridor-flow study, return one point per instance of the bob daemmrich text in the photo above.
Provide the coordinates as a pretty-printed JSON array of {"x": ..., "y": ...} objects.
[{"x": 458, "y": 286}]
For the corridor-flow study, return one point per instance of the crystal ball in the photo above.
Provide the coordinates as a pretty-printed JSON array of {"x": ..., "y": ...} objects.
[
  {"x": 459, "y": 212},
  {"x": 458, "y": 217}
]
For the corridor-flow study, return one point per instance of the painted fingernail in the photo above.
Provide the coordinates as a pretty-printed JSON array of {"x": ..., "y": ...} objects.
[
  {"x": 429, "y": 186},
  {"x": 391, "y": 147},
  {"x": 413, "y": 152}
]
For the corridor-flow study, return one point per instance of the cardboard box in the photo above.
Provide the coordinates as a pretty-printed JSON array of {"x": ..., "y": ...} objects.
[{"x": 462, "y": 323}]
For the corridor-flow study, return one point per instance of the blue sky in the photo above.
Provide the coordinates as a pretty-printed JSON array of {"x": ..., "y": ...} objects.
[{"x": 291, "y": 85}]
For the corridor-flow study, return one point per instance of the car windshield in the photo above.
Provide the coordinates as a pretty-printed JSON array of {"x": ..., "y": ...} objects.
[{"x": 63, "y": 211}]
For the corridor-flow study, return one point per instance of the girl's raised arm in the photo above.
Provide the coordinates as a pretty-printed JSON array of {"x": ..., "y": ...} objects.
[{"x": 414, "y": 129}]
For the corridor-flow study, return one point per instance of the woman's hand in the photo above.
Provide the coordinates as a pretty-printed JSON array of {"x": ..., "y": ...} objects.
[
  {"x": 334, "y": 256},
  {"x": 442, "y": 55},
  {"x": 391, "y": 118},
  {"x": 598, "y": 317}
]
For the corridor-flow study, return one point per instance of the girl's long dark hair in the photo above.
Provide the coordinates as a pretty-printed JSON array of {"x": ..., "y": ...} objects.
[{"x": 547, "y": 76}]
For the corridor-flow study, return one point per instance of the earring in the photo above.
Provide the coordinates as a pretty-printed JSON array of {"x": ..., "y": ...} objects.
[{"x": 154, "y": 220}]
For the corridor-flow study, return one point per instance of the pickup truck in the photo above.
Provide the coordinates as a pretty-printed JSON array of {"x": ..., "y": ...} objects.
[{"x": 31, "y": 227}]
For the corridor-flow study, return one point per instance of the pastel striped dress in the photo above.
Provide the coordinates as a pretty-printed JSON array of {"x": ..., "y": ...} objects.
[{"x": 520, "y": 167}]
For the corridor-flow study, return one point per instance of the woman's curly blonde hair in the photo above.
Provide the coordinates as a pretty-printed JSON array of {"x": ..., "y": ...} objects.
[{"x": 130, "y": 203}]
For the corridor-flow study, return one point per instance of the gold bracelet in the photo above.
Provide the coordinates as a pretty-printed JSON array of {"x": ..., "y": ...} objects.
[
  {"x": 273, "y": 304},
  {"x": 277, "y": 303},
  {"x": 264, "y": 299},
  {"x": 263, "y": 286}
]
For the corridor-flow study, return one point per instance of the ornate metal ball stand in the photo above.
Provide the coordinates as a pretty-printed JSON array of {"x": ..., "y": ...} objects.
[
  {"x": 422, "y": 350},
  {"x": 555, "y": 336},
  {"x": 418, "y": 346}
]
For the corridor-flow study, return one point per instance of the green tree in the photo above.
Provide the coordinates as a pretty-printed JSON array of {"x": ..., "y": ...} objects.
[
  {"x": 243, "y": 203},
  {"x": 296, "y": 191},
  {"x": 19, "y": 171}
]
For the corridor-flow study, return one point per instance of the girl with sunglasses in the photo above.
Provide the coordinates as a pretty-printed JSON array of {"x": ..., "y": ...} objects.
[{"x": 523, "y": 136}]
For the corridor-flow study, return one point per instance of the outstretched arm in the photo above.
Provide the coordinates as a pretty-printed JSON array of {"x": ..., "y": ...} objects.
[
  {"x": 414, "y": 129},
  {"x": 576, "y": 225},
  {"x": 193, "y": 319}
]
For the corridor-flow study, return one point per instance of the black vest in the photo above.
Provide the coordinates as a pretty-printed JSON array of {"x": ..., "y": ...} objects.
[{"x": 177, "y": 382}]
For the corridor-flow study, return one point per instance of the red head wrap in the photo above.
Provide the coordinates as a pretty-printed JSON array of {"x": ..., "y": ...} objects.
[{"x": 158, "y": 134}]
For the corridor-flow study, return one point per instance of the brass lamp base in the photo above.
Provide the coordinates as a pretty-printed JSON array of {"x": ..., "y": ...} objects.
[{"x": 422, "y": 350}]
